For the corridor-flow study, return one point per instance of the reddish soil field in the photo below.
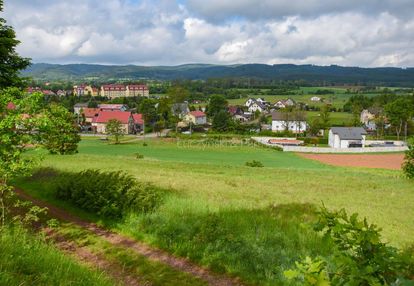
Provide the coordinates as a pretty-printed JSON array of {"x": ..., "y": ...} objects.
[{"x": 383, "y": 161}]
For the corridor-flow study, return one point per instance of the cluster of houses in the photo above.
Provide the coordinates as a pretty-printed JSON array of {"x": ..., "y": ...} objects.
[
  {"x": 96, "y": 119},
  {"x": 107, "y": 90}
]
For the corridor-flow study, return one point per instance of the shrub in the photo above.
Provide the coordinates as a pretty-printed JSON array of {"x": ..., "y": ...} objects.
[
  {"x": 139, "y": 156},
  {"x": 254, "y": 163},
  {"x": 359, "y": 257},
  {"x": 107, "y": 194},
  {"x": 408, "y": 165}
]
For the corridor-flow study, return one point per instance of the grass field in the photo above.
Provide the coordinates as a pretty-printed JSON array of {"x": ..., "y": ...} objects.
[
  {"x": 28, "y": 260},
  {"x": 249, "y": 222}
]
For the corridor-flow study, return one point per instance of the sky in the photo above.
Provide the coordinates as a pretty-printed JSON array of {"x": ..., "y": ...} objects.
[{"x": 366, "y": 33}]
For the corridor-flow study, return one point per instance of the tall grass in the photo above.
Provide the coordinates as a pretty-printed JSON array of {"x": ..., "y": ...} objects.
[
  {"x": 256, "y": 245},
  {"x": 28, "y": 260}
]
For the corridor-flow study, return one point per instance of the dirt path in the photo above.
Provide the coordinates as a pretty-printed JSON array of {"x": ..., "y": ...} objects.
[
  {"x": 383, "y": 161},
  {"x": 151, "y": 253},
  {"x": 92, "y": 259}
]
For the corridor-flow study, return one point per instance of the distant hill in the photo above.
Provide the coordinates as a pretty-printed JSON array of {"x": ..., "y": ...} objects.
[{"x": 309, "y": 73}]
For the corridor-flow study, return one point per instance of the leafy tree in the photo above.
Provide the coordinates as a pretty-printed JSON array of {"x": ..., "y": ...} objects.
[
  {"x": 221, "y": 121},
  {"x": 408, "y": 165},
  {"x": 10, "y": 62},
  {"x": 178, "y": 94},
  {"x": 92, "y": 103},
  {"x": 398, "y": 112},
  {"x": 325, "y": 116},
  {"x": 216, "y": 104},
  {"x": 114, "y": 128},
  {"x": 314, "y": 126},
  {"x": 59, "y": 131},
  {"x": 159, "y": 126},
  {"x": 148, "y": 110}
]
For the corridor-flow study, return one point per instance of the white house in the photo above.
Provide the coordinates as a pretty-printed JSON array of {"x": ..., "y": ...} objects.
[
  {"x": 347, "y": 137},
  {"x": 250, "y": 101},
  {"x": 196, "y": 117},
  {"x": 283, "y": 121},
  {"x": 284, "y": 103},
  {"x": 257, "y": 106},
  {"x": 315, "y": 98}
]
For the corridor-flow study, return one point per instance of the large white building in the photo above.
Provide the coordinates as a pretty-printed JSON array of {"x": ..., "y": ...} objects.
[
  {"x": 283, "y": 121},
  {"x": 347, "y": 137}
]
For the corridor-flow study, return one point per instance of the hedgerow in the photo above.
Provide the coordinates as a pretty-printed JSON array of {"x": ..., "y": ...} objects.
[{"x": 108, "y": 194}]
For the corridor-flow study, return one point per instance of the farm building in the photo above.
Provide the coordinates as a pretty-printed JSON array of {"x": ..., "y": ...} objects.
[
  {"x": 347, "y": 137},
  {"x": 283, "y": 121}
]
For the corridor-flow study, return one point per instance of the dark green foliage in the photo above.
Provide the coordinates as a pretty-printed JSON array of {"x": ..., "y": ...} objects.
[
  {"x": 254, "y": 163},
  {"x": 221, "y": 121},
  {"x": 217, "y": 104},
  {"x": 107, "y": 194},
  {"x": 59, "y": 131},
  {"x": 408, "y": 165},
  {"x": 10, "y": 62},
  {"x": 359, "y": 256},
  {"x": 139, "y": 156}
]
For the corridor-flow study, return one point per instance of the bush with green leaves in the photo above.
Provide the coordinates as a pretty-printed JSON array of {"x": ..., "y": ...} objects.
[
  {"x": 359, "y": 257},
  {"x": 254, "y": 163},
  {"x": 108, "y": 194},
  {"x": 408, "y": 165}
]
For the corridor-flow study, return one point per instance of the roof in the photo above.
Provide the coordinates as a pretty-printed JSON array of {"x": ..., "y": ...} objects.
[
  {"x": 349, "y": 133},
  {"x": 197, "y": 113},
  {"x": 258, "y": 103},
  {"x": 105, "y": 116},
  {"x": 138, "y": 118},
  {"x": 119, "y": 87},
  {"x": 91, "y": 112},
  {"x": 137, "y": 87},
  {"x": 375, "y": 110},
  {"x": 112, "y": 106},
  {"x": 81, "y": 105}
]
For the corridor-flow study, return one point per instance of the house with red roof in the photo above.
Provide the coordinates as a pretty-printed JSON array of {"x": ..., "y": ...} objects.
[
  {"x": 89, "y": 113},
  {"x": 196, "y": 117},
  {"x": 131, "y": 123}
]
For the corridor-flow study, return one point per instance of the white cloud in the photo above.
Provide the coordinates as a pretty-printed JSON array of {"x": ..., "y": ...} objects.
[{"x": 244, "y": 31}]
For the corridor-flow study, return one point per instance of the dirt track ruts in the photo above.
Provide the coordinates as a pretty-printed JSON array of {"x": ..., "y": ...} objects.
[{"x": 151, "y": 253}]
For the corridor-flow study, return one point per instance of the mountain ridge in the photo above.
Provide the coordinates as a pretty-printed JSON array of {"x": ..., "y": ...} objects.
[{"x": 389, "y": 76}]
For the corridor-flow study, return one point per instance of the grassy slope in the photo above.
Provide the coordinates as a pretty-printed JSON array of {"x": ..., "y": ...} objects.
[
  {"x": 217, "y": 176},
  {"x": 216, "y": 193},
  {"x": 27, "y": 260}
]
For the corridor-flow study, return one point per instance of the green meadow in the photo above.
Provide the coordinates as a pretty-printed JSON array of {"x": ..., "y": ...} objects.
[{"x": 253, "y": 223}]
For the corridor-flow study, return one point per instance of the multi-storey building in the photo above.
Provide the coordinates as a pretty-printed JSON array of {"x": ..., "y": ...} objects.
[
  {"x": 137, "y": 90},
  {"x": 113, "y": 90}
]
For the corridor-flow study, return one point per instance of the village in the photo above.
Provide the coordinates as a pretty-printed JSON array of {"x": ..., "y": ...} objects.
[{"x": 283, "y": 123}]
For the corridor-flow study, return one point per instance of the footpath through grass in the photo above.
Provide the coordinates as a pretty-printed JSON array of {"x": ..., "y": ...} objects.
[
  {"x": 28, "y": 260},
  {"x": 249, "y": 222}
]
